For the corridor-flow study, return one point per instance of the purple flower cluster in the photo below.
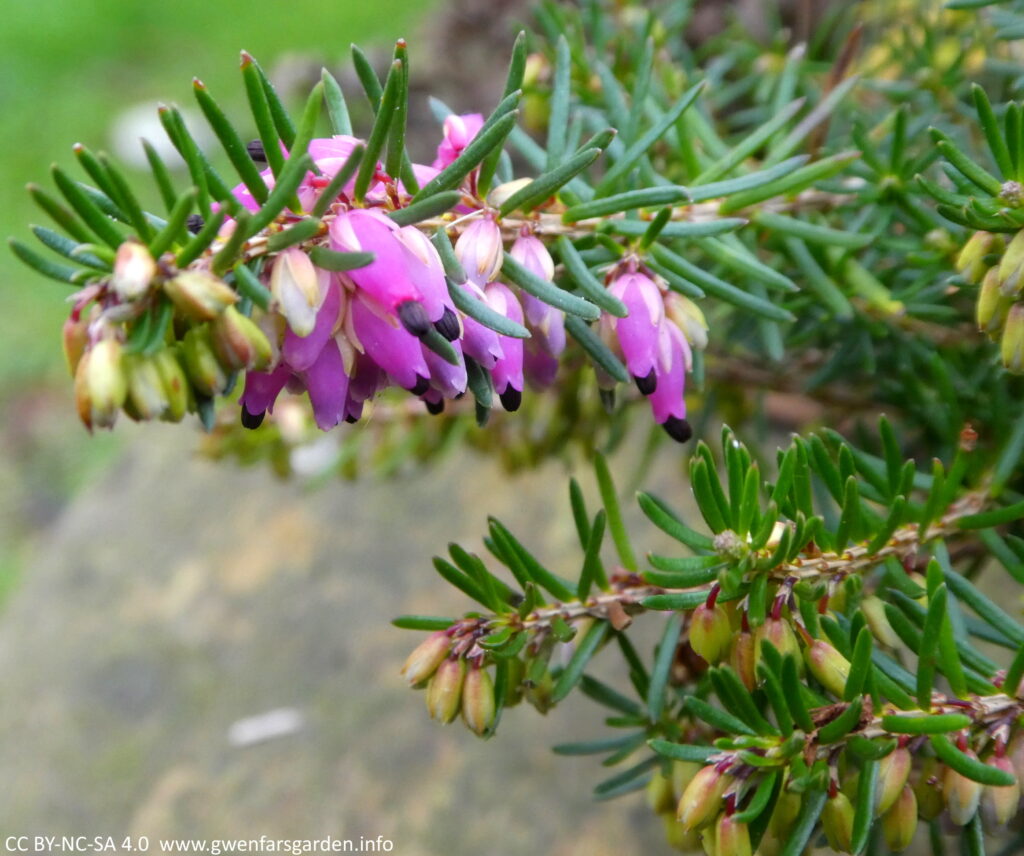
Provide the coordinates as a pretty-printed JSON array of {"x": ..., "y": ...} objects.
[{"x": 342, "y": 337}]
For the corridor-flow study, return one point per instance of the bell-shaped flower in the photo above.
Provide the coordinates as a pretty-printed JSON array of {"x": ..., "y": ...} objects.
[
  {"x": 667, "y": 399},
  {"x": 300, "y": 352},
  {"x": 507, "y": 373},
  {"x": 392, "y": 348},
  {"x": 545, "y": 322},
  {"x": 637, "y": 333}
]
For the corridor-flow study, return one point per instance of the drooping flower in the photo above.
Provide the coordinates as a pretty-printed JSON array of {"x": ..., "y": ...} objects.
[
  {"x": 507, "y": 373},
  {"x": 480, "y": 250},
  {"x": 546, "y": 323}
]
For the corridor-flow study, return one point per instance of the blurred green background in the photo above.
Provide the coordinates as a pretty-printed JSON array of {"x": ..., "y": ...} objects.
[{"x": 68, "y": 71}]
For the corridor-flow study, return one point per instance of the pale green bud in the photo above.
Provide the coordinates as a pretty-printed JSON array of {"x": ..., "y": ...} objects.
[
  {"x": 75, "y": 335},
  {"x": 478, "y": 705},
  {"x": 199, "y": 295},
  {"x": 1012, "y": 346},
  {"x": 444, "y": 692},
  {"x": 682, "y": 774},
  {"x": 702, "y": 799},
  {"x": 899, "y": 823},
  {"x": 970, "y": 264},
  {"x": 1011, "y": 266},
  {"x": 785, "y": 813},
  {"x": 992, "y": 306},
  {"x": 742, "y": 659},
  {"x": 205, "y": 371},
  {"x": 827, "y": 665},
  {"x": 176, "y": 385},
  {"x": 100, "y": 385},
  {"x": 710, "y": 632},
  {"x": 837, "y": 821},
  {"x": 147, "y": 398},
  {"x": 778, "y": 633},
  {"x": 687, "y": 316},
  {"x": 878, "y": 622},
  {"x": 238, "y": 342},
  {"x": 893, "y": 773},
  {"x": 659, "y": 794},
  {"x": 134, "y": 270},
  {"x": 426, "y": 657},
  {"x": 928, "y": 789},
  {"x": 962, "y": 794},
  {"x": 678, "y": 837},
  {"x": 1000, "y": 803}
]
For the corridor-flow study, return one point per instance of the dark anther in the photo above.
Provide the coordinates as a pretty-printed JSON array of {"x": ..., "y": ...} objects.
[
  {"x": 448, "y": 326},
  {"x": 256, "y": 151},
  {"x": 511, "y": 398},
  {"x": 414, "y": 318},
  {"x": 194, "y": 223},
  {"x": 678, "y": 429},
  {"x": 435, "y": 408},
  {"x": 421, "y": 386},
  {"x": 350, "y": 419},
  {"x": 648, "y": 384},
  {"x": 252, "y": 420}
]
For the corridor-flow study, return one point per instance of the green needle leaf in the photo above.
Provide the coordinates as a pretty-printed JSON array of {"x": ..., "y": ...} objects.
[
  {"x": 548, "y": 292},
  {"x": 662, "y": 666},
  {"x": 585, "y": 649},
  {"x": 617, "y": 526},
  {"x": 546, "y": 185},
  {"x": 972, "y": 768}
]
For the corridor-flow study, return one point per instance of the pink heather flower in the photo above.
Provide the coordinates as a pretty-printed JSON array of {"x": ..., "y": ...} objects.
[
  {"x": 405, "y": 279},
  {"x": 667, "y": 399},
  {"x": 507, "y": 373},
  {"x": 458, "y": 133},
  {"x": 637, "y": 333},
  {"x": 480, "y": 250},
  {"x": 546, "y": 322},
  {"x": 479, "y": 342},
  {"x": 299, "y": 289},
  {"x": 391, "y": 347},
  {"x": 446, "y": 379},
  {"x": 301, "y": 352}
]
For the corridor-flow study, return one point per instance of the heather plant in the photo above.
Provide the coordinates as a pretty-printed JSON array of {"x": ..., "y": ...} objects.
[{"x": 835, "y": 220}]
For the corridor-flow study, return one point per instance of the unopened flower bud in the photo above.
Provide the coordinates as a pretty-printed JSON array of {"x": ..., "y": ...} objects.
[
  {"x": 742, "y": 659},
  {"x": 729, "y": 545},
  {"x": 687, "y": 317},
  {"x": 769, "y": 845},
  {"x": 238, "y": 342},
  {"x": 992, "y": 305},
  {"x": 444, "y": 692},
  {"x": 999, "y": 802},
  {"x": 962, "y": 794},
  {"x": 480, "y": 251},
  {"x": 100, "y": 386},
  {"x": 175, "y": 382},
  {"x": 498, "y": 196},
  {"x": 682, "y": 774},
  {"x": 298, "y": 289},
  {"x": 478, "y": 705},
  {"x": 426, "y": 657},
  {"x": 837, "y": 821},
  {"x": 732, "y": 838},
  {"x": 778, "y": 633},
  {"x": 199, "y": 295},
  {"x": 709, "y": 840},
  {"x": 702, "y": 799},
  {"x": 927, "y": 786},
  {"x": 970, "y": 264},
  {"x": 899, "y": 823},
  {"x": 893, "y": 773},
  {"x": 147, "y": 398},
  {"x": 1011, "y": 266},
  {"x": 134, "y": 270},
  {"x": 685, "y": 841},
  {"x": 659, "y": 793},
  {"x": 785, "y": 813},
  {"x": 76, "y": 337},
  {"x": 710, "y": 632},
  {"x": 827, "y": 665},
  {"x": 208, "y": 376},
  {"x": 878, "y": 623},
  {"x": 1012, "y": 345}
]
